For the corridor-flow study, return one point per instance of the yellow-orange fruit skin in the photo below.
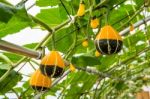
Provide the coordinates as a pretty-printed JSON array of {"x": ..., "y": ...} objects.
[
  {"x": 108, "y": 32},
  {"x": 94, "y": 23},
  {"x": 40, "y": 82},
  {"x": 72, "y": 68},
  {"x": 131, "y": 27},
  {"x": 81, "y": 10},
  {"x": 108, "y": 41},
  {"x": 85, "y": 43},
  {"x": 52, "y": 65},
  {"x": 97, "y": 54}
]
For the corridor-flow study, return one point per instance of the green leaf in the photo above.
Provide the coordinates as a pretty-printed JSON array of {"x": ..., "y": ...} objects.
[
  {"x": 28, "y": 90},
  {"x": 18, "y": 89},
  {"x": 6, "y": 12},
  {"x": 42, "y": 3},
  {"x": 26, "y": 85},
  {"x": 11, "y": 81},
  {"x": 107, "y": 61},
  {"x": 13, "y": 57},
  {"x": 5, "y": 2},
  {"x": 97, "y": 1},
  {"x": 132, "y": 40},
  {"x": 122, "y": 12},
  {"x": 64, "y": 39},
  {"x": 18, "y": 21},
  {"x": 120, "y": 85},
  {"x": 53, "y": 16},
  {"x": 4, "y": 66},
  {"x": 80, "y": 82},
  {"x": 139, "y": 2},
  {"x": 83, "y": 60},
  {"x": 31, "y": 46}
]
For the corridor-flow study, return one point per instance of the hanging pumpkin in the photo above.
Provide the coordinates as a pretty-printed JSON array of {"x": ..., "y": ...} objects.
[
  {"x": 52, "y": 64},
  {"x": 94, "y": 22},
  {"x": 40, "y": 82},
  {"x": 108, "y": 41},
  {"x": 85, "y": 43},
  {"x": 81, "y": 10}
]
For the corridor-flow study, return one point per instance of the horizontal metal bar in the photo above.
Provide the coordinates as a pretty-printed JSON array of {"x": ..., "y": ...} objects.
[
  {"x": 137, "y": 24},
  {"x": 7, "y": 46}
]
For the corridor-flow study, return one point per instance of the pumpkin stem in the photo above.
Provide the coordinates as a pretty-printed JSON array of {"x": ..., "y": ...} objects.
[
  {"x": 107, "y": 14},
  {"x": 53, "y": 41},
  {"x": 91, "y": 4}
]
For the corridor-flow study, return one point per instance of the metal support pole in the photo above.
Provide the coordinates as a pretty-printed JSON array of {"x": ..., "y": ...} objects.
[
  {"x": 6, "y": 46},
  {"x": 137, "y": 24}
]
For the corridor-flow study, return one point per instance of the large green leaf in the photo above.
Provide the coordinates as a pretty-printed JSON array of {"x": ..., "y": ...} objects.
[
  {"x": 107, "y": 61},
  {"x": 83, "y": 60},
  {"x": 6, "y": 12},
  {"x": 11, "y": 81},
  {"x": 52, "y": 16},
  {"x": 47, "y": 2},
  {"x": 16, "y": 21}
]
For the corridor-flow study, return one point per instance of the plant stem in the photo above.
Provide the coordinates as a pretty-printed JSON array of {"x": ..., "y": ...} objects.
[
  {"x": 6, "y": 74},
  {"x": 5, "y": 58},
  {"x": 35, "y": 62},
  {"x": 38, "y": 21},
  {"x": 53, "y": 41},
  {"x": 32, "y": 65}
]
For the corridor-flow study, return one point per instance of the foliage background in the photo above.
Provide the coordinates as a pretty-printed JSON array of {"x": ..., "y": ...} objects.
[{"x": 119, "y": 76}]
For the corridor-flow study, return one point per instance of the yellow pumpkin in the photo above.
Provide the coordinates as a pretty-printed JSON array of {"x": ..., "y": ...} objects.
[
  {"x": 81, "y": 10},
  {"x": 52, "y": 65},
  {"x": 40, "y": 82},
  {"x": 97, "y": 54},
  {"x": 94, "y": 22},
  {"x": 72, "y": 68},
  {"x": 108, "y": 41},
  {"x": 85, "y": 43}
]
